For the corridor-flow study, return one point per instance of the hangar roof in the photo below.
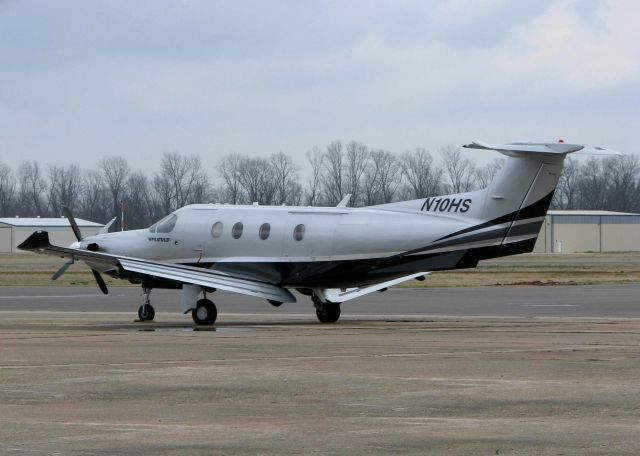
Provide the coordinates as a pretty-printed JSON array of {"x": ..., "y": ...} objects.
[
  {"x": 45, "y": 222},
  {"x": 580, "y": 212}
]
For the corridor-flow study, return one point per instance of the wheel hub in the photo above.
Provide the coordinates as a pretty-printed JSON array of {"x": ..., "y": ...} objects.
[{"x": 201, "y": 312}]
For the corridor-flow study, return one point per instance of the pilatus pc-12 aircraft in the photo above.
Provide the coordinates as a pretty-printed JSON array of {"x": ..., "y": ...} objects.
[{"x": 332, "y": 254}]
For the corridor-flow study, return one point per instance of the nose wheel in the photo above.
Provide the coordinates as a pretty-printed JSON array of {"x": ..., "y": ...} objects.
[
  {"x": 205, "y": 312},
  {"x": 146, "y": 312}
]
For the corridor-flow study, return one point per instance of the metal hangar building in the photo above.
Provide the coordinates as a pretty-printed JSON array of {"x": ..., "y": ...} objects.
[
  {"x": 13, "y": 231},
  {"x": 589, "y": 231}
]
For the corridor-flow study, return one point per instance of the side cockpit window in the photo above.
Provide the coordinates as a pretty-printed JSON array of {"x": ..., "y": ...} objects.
[{"x": 165, "y": 225}]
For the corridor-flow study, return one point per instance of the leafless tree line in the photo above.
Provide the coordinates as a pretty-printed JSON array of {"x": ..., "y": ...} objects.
[
  {"x": 600, "y": 184},
  {"x": 371, "y": 176}
]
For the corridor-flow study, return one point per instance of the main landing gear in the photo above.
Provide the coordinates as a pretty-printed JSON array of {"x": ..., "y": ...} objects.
[
  {"x": 327, "y": 312},
  {"x": 146, "y": 312},
  {"x": 205, "y": 312}
]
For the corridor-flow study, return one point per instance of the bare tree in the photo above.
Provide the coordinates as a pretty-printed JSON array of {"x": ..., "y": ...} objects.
[
  {"x": 256, "y": 180},
  {"x": 593, "y": 185},
  {"x": 332, "y": 173},
  {"x": 115, "y": 171},
  {"x": 65, "y": 184},
  {"x": 356, "y": 158},
  {"x": 7, "y": 190},
  {"x": 567, "y": 191},
  {"x": 229, "y": 170},
  {"x": 94, "y": 200},
  {"x": 139, "y": 202},
  {"x": 32, "y": 189},
  {"x": 294, "y": 194},
  {"x": 622, "y": 185},
  {"x": 459, "y": 171},
  {"x": 382, "y": 178},
  {"x": 315, "y": 157},
  {"x": 285, "y": 173},
  {"x": 422, "y": 175},
  {"x": 186, "y": 177}
]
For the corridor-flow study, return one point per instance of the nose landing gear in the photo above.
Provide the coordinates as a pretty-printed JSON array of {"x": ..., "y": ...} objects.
[{"x": 146, "y": 312}]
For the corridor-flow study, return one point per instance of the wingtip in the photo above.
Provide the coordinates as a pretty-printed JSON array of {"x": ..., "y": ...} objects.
[{"x": 37, "y": 240}]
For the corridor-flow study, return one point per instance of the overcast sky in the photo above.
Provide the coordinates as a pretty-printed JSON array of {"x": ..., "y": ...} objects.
[{"x": 83, "y": 79}]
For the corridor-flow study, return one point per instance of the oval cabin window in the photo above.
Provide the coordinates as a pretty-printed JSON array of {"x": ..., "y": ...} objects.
[
  {"x": 265, "y": 230},
  {"x": 298, "y": 232},
  {"x": 236, "y": 231},
  {"x": 216, "y": 230}
]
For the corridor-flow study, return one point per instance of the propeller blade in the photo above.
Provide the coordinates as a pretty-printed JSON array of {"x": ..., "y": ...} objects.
[
  {"x": 100, "y": 280},
  {"x": 62, "y": 269},
  {"x": 72, "y": 221}
]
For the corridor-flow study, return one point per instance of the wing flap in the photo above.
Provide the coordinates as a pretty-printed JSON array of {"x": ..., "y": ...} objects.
[{"x": 342, "y": 295}]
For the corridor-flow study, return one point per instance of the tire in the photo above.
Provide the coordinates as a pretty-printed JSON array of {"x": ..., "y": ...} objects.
[
  {"x": 146, "y": 313},
  {"x": 205, "y": 313},
  {"x": 328, "y": 313},
  {"x": 274, "y": 303}
]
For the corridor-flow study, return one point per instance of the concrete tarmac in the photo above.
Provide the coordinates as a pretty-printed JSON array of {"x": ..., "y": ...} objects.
[
  {"x": 526, "y": 370},
  {"x": 522, "y": 301}
]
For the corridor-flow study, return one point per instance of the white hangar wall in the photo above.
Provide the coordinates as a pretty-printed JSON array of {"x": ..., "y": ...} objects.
[
  {"x": 13, "y": 231},
  {"x": 589, "y": 231}
]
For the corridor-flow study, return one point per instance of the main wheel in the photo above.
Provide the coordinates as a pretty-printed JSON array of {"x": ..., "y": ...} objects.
[
  {"x": 205, "y": 312},
  {"x": 328, "y": 312},
  {"x": 146, "y": 312}
]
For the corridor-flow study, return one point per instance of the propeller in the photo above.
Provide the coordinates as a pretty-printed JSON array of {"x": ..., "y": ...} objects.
[{"x": 76, "y": 230}]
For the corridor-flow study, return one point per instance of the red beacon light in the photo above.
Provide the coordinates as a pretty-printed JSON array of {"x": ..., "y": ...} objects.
[{"x": 561, "y": 140}]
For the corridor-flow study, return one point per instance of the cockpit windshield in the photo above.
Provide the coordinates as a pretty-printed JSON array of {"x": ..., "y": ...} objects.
[{"x": 165, "y": 225}]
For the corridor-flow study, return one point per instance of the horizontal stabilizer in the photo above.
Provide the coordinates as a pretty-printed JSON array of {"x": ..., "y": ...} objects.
[{"x": 518, "y": 149}]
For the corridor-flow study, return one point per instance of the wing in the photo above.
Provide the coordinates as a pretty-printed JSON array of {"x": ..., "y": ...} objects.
[{"x": 39, "y": 242}]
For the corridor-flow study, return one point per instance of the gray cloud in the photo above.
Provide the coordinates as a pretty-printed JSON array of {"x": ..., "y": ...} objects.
[{"x": 85, "y": 79}]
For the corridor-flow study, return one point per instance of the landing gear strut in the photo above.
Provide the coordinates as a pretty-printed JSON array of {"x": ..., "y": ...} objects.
[
  {"x": 327, "y": 312},
  {"x": 146, "y": 312},
  {"x": 205, "y": 312}
]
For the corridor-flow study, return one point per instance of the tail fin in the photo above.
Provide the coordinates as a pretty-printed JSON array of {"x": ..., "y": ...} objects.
[{"x": 516, "y": 200}]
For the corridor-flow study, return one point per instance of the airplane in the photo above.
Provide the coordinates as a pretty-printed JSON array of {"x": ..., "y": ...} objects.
[{"x": 331, "y": 254}]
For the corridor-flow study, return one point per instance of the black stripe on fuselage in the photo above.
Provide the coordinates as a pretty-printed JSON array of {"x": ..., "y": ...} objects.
[{"x": 537, "y": 209}]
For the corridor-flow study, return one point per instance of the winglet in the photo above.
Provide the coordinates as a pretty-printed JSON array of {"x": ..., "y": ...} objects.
[{"x": 38, "y": 240}]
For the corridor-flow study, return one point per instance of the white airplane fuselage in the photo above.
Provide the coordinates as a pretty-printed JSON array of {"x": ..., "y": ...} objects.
[{"x": 332, "y": 238}]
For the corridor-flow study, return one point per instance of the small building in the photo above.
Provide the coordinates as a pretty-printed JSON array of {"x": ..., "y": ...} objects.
[
  {"x": 13, "y": 231},
  {"x": 589, "y": 231}
]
